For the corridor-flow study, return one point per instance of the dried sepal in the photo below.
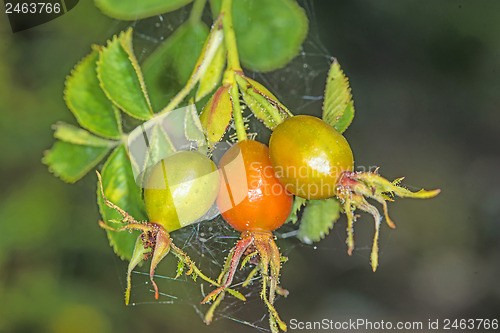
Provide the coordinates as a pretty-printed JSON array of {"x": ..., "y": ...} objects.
[
  {"x": 353, "y": 188},
  {"x": 154, "y": 242},
  {"x": 140, "y": 253},
  {"x": 258, "y": 248}
]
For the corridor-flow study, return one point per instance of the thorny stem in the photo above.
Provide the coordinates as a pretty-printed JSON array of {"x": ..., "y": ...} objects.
[{"x": 233, "y": 65}]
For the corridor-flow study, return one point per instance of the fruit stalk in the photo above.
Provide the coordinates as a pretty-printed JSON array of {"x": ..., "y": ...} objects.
[{"x": 233, "y": 65}]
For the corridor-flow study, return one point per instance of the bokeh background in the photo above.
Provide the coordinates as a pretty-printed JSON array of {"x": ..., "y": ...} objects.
[{"x": 425, "y": 80}]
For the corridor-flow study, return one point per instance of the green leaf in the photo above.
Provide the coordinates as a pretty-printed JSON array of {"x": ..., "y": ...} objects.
[
  {"x": 298, "y": 202},
  {"x": 121, "y": 189},
  {"x": 318, "y": 218},
  {"x": 261, "y": 110},
  {"x": 346, "y": 119},
  {"x": 121, "y": 78},
  {"x": 70, "y": 161},
  {"x": 88, "y": 103},
  {"x": 72, "y": 134},
  {"x": 213, "y": 73},
  {"x": 338, "y": 108},
  {"x": 169, "y": 67},
  {"x": 269, "y": 33},
  {"x": 216, "y": 114},
  {"x": 134, "y": 9},
  {"x": 263, "y": 104},
  {"x": 193, "y": 129},
  {"x": 257, "y": 88}
]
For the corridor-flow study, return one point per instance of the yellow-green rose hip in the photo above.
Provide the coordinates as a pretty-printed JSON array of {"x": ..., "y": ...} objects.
[{"x": 180, "y": 189}]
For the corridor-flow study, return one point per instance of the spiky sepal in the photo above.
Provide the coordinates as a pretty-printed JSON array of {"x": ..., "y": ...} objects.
[{"x": 353, "y": 188}]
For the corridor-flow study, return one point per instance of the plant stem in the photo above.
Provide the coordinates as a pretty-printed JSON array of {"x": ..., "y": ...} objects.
[
  {"x": 197, "y": 10},
  {"x": 233, "y": 59},
  {"x": 233, "y": 65},
  {"x": 174, "y": 102}
]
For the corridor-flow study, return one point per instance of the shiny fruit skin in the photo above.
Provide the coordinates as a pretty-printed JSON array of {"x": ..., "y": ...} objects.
[
  {"x": 251, "y": 198},
  {"x": 309, "y": 156},
  {"x": 180, "y": 189}
]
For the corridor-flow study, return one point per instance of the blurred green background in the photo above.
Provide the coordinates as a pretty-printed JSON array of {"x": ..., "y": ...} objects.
[{"x": 425, "y": 80}]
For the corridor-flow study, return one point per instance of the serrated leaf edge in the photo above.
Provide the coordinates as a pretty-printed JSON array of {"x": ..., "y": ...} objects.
[
  {"x": 126, "y": 43},
  {"x": 346, "y": 90},
  {"x": 139, "y": 76},
  {"x": 292, "y": 217},
  {"x": 324, "y": 232},
  {"x": 79, "y": 176},
  {"x": 95, "y": 48}
]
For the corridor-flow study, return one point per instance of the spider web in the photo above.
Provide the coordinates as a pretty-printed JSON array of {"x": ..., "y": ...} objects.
[{"x": 299, "y": 85}]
